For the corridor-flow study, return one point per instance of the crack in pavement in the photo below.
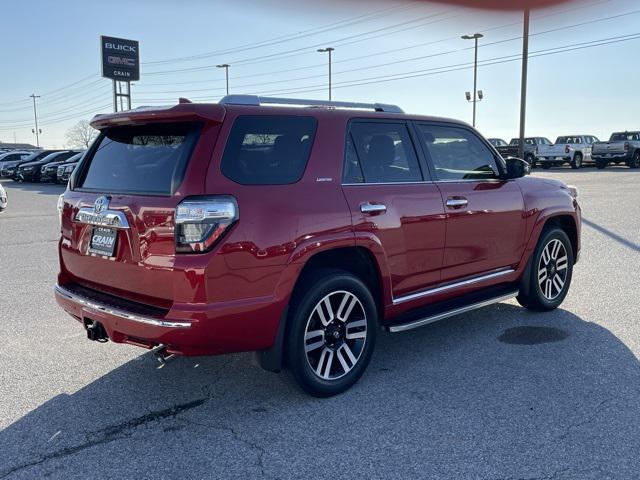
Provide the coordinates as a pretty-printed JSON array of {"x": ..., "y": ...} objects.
[
  {"x": 109, "y": 434},
  {"x": 254, "y": 446},
  {"x": 596, "y": 412}
]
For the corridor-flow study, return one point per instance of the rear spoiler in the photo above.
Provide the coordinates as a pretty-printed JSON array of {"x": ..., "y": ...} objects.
[{"x": 183, "y": 112}]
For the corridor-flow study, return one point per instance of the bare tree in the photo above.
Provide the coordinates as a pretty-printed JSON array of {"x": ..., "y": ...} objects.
[{"x": 81, "y": 134}]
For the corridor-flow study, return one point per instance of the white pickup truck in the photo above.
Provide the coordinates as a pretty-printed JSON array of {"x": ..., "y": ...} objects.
[{"x": 572, "y": 149}]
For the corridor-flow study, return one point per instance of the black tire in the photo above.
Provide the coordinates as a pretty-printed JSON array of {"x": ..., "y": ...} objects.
[
  {"x": 601, "y": 164},
  {"x": 577, "y": 161},
  {"x": 531, "y": 294},
  {"x": 635, "y": 160},
  {"x": 322, "y": 371},
  {"x": 545, "y": 165}
]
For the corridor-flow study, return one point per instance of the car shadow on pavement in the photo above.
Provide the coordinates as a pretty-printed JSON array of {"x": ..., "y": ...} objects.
[
  {"x": 40, "y": 188},
  {"x": 612, "y": 235},
  {"x": 473, "y": 397}
]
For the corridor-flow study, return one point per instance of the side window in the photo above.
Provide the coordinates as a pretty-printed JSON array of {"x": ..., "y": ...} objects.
[
  {"x": 268, "y": 150},
  {"x": 458, "y": 154},
  {"x": 381, "y": 153},
  {"x": 352, "y": 169}
]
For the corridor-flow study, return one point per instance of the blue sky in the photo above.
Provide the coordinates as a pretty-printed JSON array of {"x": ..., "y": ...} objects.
[{"x": 52, "y": 49}]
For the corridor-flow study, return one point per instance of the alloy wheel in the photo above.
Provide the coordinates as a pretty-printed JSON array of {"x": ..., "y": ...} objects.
[
  {"x": 552, "y": 269},
  {"x": 335, "y": 335}
]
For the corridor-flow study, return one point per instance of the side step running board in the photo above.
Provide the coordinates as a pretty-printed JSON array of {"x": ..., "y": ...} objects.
[{"x": 401, "y": 327}]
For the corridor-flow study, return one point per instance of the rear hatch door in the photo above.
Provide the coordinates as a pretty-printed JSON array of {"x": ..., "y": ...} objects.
[{"x": 118, "y": 217}]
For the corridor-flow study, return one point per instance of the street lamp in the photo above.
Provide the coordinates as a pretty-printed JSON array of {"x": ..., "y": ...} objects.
[
  {"x": 475, "y": 38},
  {"x": 226, "y": 73},
  {"x": 36, "y": 130},
  {"x": 328, "y": 50},
  {"x": 523, "y": 81}
]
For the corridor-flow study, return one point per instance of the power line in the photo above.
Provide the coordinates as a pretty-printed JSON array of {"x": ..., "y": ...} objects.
[
  {"x": 396, "y": 50},
  {"x": 300, "y": 50},
  {"x": 285, "y": 38},
  {"x": 442, "y": 69},
  {"x": 386, "y": 64},
  {"x": 60, "y": 96}
]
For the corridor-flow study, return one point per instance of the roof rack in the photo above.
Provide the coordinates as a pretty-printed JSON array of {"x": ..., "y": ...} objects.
[{"x": 257, "y": 101}]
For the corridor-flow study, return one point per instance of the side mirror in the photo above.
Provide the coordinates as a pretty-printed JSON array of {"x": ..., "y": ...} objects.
[{"x": 516, "y": 167}]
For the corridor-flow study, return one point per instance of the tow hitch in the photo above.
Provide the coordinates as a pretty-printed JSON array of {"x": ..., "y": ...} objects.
[
  {"x": 95, "y": 331},
  {"x": 160, "y": 352}
]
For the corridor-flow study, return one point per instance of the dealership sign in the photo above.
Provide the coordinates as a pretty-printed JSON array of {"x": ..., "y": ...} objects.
[{"x": 120, "y": 59}]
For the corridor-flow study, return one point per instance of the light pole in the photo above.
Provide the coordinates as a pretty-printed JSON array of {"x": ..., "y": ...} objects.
[
  {"x": 475, "y": 38},
  {"x": 226, "y": 73},
  {"x": 328, "y": 50},
  {"x": 523, "y": 87},
  {"x": 35, "y": 116}
]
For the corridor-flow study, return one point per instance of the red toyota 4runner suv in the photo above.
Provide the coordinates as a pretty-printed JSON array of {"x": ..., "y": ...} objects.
[{"x": 297, "y": 232}]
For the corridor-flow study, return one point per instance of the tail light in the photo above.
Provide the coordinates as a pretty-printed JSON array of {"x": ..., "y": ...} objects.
[
  {"x": 202, "y": 221},
  {"x": 626, "y": 146},
  {"x": 60, "y": 207},
  {"x": 567, "y": 149}
]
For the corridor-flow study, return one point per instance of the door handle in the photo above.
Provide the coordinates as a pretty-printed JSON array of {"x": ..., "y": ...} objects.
[
  {"x": 373, "y": 208},
  {"x": 457, "y": 202}
]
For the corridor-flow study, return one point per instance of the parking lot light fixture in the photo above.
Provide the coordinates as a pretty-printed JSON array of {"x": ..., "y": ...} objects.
[
  {"x": 475, "y": 38},
  {"x": 226, "y": 73},
  {"x": 328, "y": 50}
]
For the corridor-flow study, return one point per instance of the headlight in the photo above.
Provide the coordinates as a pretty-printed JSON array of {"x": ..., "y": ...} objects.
[
  {"x": 573, "y": 191},
  {"x": 27, "y": 169}
]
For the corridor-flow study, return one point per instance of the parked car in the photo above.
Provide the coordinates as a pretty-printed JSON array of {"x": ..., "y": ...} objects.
[
  {"x": 572, "y": 149},
  {"x": 497, "y": 142},
  {"x": 530, "y": 148},
  {"x": 622, "y": 147},
  {"x": 3, "y": 198},
  {"x": 7, "y": 158},
  {"x": 64, "y": 172},
  {"x": 297, "y": 232},
  {"x": 9, "y": 168},
  {"x": 49, "y": 171},
  {"x": 32, "y": 171}
]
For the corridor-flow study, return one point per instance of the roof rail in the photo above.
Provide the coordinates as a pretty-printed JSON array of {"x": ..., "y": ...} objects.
[{"x": 257, "y": 101}]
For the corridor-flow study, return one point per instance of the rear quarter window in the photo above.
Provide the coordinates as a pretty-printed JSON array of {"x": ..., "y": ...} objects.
[
  {"x": 142, "y": 159},
  {"x": 268, "y": 150}
]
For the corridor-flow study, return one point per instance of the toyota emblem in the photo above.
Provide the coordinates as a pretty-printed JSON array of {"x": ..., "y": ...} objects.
[{"x": 100, "y": 205}]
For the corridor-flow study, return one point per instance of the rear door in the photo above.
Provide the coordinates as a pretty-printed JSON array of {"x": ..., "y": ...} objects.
[
  {"x": 394, "y": 203},
  {"x": 118, "y": 222},
  {"x": 485, "y": 218}
]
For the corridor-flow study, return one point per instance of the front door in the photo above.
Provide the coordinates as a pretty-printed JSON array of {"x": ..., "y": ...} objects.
[
  {"x": 485, "y": 226},
  {"x": 392, "y": 204}
]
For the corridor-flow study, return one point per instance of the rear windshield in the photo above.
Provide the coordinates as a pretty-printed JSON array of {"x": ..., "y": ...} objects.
[
  {"x": 619, "y": 137},
  {"x": 268, "y": 150},
  {"x": 569, "y": 140},
  {"x": 144, "y": 159}
]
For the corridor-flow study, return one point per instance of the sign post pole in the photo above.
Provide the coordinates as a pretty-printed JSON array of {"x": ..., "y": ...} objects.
[{"x": 115, "y": 97}]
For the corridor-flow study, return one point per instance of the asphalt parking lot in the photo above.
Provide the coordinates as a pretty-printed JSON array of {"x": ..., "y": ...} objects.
[{"x": 461, "y": 399}]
